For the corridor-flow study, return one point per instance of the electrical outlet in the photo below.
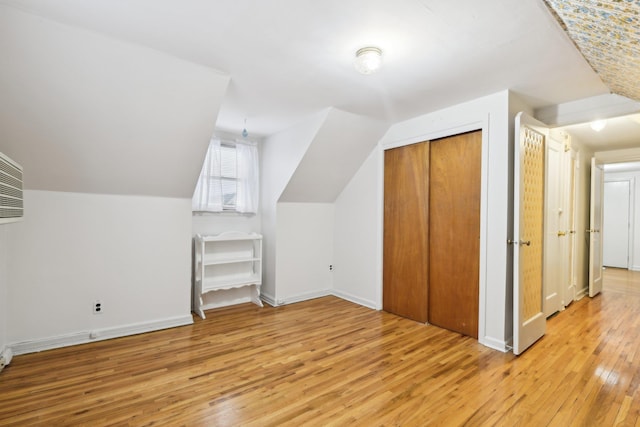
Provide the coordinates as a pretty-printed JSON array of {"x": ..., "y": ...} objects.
[
  {"x": 330, "y": 267},
  {"x": 97, "y": 307}
]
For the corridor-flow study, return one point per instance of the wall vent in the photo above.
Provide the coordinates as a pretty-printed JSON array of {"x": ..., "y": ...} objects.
[{"x": 11, "y": 202}]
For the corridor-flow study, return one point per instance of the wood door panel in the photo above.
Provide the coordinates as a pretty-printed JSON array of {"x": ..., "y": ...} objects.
[
  {"x": 454, "y": 229},
  {"x": 406, "y": 233}
]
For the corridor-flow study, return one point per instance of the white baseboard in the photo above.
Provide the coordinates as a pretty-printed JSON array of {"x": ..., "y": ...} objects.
[
  {"x": 582, "y": 293},
  {"x": 303, "y": 297},
  {"x": 5, "y": 358},
  {"x": 354, "y": 299},
  {"x": 269, "y": 299},
  {"x": 495, "y": 344},
  {"x": 98, "y": 335}
]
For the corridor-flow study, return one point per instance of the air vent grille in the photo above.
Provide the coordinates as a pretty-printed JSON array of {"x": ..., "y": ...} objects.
[{"x": 11, "y": 199}]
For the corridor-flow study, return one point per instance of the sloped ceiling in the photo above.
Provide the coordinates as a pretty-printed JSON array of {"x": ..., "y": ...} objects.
[
  {"x": 342, "y": 143},
  {"x": 607, "y": 32},
  {"x": 85, "y": 113},
  {"x": 289, "y": 59},
  {"x": 122, "y": 96}
]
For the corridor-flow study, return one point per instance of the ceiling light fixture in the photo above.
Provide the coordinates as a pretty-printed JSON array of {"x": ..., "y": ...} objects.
[
  {"x": 368, "y": 60},
  {"x": 598, "y": 125}
]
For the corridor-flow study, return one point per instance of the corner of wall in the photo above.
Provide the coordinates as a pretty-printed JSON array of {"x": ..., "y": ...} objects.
[
  {"x": 4, "y": 285},
  {"x": 281, "y": 154}
]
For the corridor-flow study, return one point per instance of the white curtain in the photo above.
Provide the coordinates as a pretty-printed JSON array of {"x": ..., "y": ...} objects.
[
  {"x": 211, "y": 190},
  {"x": 247, "y": 195},
  {"x": 208, "y": 194}
]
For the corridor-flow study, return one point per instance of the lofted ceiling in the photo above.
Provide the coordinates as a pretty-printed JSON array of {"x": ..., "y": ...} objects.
[{"x": 290, "y": 58}]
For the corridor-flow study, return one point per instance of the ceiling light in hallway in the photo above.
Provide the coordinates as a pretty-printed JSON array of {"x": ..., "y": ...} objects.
[{"x": 598, "y": 125}]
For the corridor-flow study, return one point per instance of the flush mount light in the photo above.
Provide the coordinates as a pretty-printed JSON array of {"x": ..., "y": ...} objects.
[
  {"x": 598, "y": 125},
  {"x": 368, "y": 60}
]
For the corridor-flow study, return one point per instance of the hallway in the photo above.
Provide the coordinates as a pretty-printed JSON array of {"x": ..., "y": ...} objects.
[{"x": 621, "y": 280}]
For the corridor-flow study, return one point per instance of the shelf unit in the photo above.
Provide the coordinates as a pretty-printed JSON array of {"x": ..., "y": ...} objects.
[{"x": 226, "y": 261}]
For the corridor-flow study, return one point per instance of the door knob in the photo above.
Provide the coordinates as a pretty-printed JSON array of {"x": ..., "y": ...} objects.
[
  {"x": 525, "y": 242},
  {"x": 561, "y": 233}
]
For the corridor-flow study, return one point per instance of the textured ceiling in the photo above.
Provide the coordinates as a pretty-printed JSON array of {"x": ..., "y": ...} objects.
[{"x": 608, "y": 35}]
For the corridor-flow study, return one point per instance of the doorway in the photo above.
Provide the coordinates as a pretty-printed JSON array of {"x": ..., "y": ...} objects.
[
  {"x": 616, "y": 222},
  {"x": 431, "y": 246},
  {"x": 616, "y": 152}
]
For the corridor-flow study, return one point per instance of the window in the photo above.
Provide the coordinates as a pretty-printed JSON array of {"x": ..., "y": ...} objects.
[{"x": 229, "y": 178}]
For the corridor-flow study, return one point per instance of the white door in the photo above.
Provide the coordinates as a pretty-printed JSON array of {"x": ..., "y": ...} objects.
[
  {"x": 595, "y": 225},
  {"x": 615, "y": 225},
  {"x": 527, "y": 240},
  {"x": 554, "y": 233},
  {"x": 571, "y": 221}
]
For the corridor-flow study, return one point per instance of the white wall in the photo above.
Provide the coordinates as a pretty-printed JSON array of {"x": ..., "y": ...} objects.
[
  {"x": 356, "y": 244},
  {"x": 281, "y": 155},
  {"x": 304, "y": 251},
  {"x": 490, "y": 113},
  {"x": 132, "y": 253},
  {"x": 4, "y": 304}
]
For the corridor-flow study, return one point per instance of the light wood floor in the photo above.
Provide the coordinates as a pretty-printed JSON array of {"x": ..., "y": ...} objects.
[
  {"x": 621, "y": 280},
  {"x": 330, "y": 362}
]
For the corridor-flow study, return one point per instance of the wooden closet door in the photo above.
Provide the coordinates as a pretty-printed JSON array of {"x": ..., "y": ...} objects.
[
  {"x": 406, "y": 233},
  {"x": 454, "y": 229}
]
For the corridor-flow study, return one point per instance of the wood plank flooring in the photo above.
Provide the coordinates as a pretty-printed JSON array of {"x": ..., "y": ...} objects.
[
  {"x": 621, "y": 280},
  {"x": 328, "y": 362}
]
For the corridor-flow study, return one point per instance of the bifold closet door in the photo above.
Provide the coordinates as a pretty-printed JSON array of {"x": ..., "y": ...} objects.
[
  {"x": 454, "y": 232},
  {"x": 406, "y": 231}
]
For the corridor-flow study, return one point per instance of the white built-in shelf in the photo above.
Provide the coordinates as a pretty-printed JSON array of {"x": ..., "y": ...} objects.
[
  {"x": 217, "y": 259},
  {"x": 226, "y": 261},
  {"x": 216, "y": 283}
]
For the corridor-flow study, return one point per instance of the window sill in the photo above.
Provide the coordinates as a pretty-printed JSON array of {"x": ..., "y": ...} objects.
[{"x": 223, "y": 213}]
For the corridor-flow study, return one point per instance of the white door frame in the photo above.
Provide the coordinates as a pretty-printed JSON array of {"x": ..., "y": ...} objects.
[
  {"x": 571, "y": 204},
  {"x": 595, "y": 226},
  {"x": 555, "y": 234}
]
